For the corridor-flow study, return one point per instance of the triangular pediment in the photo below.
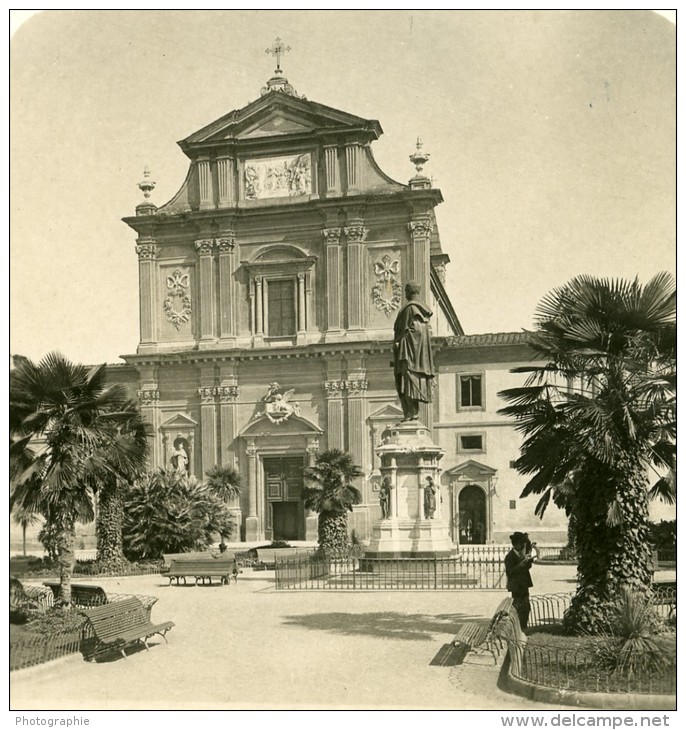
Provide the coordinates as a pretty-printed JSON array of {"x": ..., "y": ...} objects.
[
  {"x": 179, "y": 420},
  {"x": 292, "y": 426},
  {"x": 277, "y": 114},
  {"x": 471, "y": 470},
  {"x": 276, "y": 124}
]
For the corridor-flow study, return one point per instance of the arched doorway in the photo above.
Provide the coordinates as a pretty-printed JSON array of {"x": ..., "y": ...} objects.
[{"x": 472, "y": 515}]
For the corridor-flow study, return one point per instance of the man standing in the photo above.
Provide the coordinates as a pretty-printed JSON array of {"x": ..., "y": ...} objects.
[
  {"x": 517, "y": 566},
  {"x": 412, "y": 358}
]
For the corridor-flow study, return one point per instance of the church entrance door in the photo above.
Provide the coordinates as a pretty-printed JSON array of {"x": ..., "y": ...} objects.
[
  {"x": 472, "y": 516},
  {"x": 285, "y": 512}
]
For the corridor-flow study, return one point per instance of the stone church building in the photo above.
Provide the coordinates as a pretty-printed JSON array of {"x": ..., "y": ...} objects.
[{"x": 269, "y": 285}]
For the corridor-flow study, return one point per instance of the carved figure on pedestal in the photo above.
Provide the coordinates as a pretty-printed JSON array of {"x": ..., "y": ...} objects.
[
  {"x": 412, "y": 357},
  {"x": 179, "y": 459},
  {"x": 429, "y": 499},
  {"x": 385, "y": 497}
]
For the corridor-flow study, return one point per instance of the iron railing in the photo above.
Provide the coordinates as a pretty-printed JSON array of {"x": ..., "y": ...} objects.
[
  {"x": 315, "y": 572},
  {"x": 580, "y": 669}
]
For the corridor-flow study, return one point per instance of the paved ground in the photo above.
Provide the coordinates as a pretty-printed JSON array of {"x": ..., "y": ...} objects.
[{"x": 247, "y": 646}]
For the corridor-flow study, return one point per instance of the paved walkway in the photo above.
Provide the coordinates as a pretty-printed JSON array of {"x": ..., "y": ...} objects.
[{"x": 247, "y": 646}]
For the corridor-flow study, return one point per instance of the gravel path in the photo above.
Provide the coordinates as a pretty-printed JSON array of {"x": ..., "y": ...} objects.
[{"x": 247, "y": 646}]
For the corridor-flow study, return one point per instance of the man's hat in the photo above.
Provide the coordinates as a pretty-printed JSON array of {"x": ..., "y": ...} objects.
[{"x": 517, "y": 537}]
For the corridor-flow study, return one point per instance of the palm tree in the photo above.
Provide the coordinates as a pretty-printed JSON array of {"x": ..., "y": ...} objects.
[
  {"x": 331, "y": 493},
  {"x": 596, "y": 416},
  {"x": 225, "y": 482},
  {"x": 25, "y": 518},
  {"x": 109, "y": 486},
  {"x": 65, "y": 429}
]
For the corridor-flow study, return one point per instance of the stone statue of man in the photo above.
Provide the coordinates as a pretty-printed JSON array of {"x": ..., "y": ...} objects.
[{"x": 412, "y": 358}]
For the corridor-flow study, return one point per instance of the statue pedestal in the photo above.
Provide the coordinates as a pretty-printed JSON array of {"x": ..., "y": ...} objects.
[{"x": 408, "y": 456}]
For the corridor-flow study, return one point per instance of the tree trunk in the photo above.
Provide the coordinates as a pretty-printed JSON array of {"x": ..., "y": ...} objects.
[
  {"x": 23, "y": 538},
  {"x": 333, "y": 531},
  {"x": 108, "y": 527},
  {"x": 610, "y": 556},
  {"x": 66, "y": 537}
]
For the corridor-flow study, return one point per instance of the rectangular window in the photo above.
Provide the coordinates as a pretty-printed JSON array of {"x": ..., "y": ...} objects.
[
  {"x": 471, "y": 443},
  {"x": 470, "y": 390},
  {"x": 281, "y": 308},
  {"x": 475, "y": 442},
  {"x": 513, "y": 504}
]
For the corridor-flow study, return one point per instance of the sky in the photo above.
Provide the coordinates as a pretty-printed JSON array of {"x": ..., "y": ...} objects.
[{"x": 552, "y": 137}]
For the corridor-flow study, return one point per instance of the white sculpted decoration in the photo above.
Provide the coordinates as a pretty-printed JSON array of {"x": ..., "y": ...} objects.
[
  {"x": 278, "y": 177},
  {"x": 387, "y": 292},
  {"x": 277, "y": 404},
  {"x": 178, "y": 285}
]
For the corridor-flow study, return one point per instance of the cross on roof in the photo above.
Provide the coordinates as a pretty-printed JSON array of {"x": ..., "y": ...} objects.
[{"x": 276, "y": 49}]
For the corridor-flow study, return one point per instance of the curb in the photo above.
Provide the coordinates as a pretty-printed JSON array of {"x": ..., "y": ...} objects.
[{"x": 600, "y": 700}]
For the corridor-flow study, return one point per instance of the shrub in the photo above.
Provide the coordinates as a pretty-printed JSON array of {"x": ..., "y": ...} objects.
[
  {"x": 633, "y": 640},
  {"x": 167, "y": 512}
]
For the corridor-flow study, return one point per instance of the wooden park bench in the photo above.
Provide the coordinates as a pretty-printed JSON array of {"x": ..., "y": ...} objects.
[
  {"x": 200, "y": 555},
  {"x": 474, "y": 636},
  {"x": 82, "y": 594},
  {"x": 119, "y": 624},
  {"x": 223, "y": 567}
]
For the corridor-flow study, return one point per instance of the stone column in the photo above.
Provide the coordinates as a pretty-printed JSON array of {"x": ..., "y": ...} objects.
[
  {"x": 147, "y": 289},
  {"x": 334, "y": 280},
  {"x": 356, "y": 234},
  {"x": 334, "y": 414},
  {"x": 205, "y": 185},
  {"x": 312, "y": 518},
  {"x": 252, "y": 522},
  {"x": 259, "y": 306},
  {"x": 225, "y": 173},
  {"x": 205, "y": 247},
  {"x": 302, "y": 310},
  {"x": 333, "y": 184},
  {"x": 208, "y": 427},
  {"x": 420, "y": 235},
  {"x": 227, "y": 296}
]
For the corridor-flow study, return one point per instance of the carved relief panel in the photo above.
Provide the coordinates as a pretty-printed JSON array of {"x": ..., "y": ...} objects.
[
  {"x": 277, "y": 177},
  {"x": 177, "y": 302}
]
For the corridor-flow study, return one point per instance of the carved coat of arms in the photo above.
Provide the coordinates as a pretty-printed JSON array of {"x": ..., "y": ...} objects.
[
  {"x": 387, "y": 292},
  {"x": 278, "y": 406}
]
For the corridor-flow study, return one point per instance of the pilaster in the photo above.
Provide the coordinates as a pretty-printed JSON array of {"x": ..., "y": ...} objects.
[
  {"x": 356, "y": 235},
  {"x": 334, "y": 413},
  {"x": 205, "y": 248},
  {"x": 205, "y": 184},
  {"x": 420, "y": 235},
  {"x": 149, "y": 400},
  {"x": 225, "y": 178},
  {"x": 334, "y": 281},
  {"x": 333, "y": 181},
  {"x": 226, "y": 245},
  {"x": 352, "y": 166},
  {"x": 147, "y": 289},
  {"x": 227, "y": 394},
  {"x": 358, "y": 438}
]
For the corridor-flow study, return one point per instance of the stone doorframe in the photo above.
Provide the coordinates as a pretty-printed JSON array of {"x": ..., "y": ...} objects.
[
  {"x": 262, "y": 439},
  {"x": 479, "y": 475}
]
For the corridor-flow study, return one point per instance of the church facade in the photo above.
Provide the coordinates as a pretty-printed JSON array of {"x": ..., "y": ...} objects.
[{"x": 268, "y": 288}]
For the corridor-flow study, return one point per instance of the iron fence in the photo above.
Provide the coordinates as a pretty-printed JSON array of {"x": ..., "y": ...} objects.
[
  {"x": 582, "y": 669},
  {"x": 315, "y": 572}
]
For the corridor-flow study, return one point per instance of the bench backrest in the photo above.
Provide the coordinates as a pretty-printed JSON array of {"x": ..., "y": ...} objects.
[
  {"x": 213, "y": 566},
  {"x": 168, "y": 557},
  {"x": 113, "y": 619},
  {"x": 82, "y": 594}
]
